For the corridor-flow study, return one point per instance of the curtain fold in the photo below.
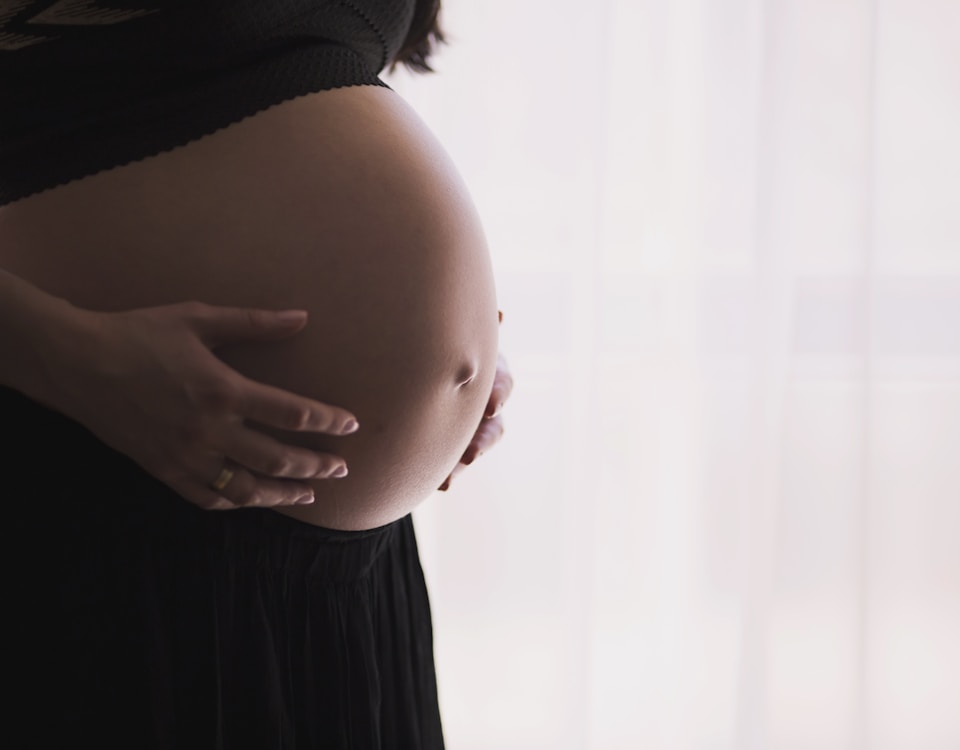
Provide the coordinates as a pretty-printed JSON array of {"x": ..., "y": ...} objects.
[{"x": 726, "y": 510}]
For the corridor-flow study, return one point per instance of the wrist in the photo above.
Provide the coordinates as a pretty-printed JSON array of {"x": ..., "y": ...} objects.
[
  {"x": 65, "y": 341},
  {"x": 44, "y": 339}
]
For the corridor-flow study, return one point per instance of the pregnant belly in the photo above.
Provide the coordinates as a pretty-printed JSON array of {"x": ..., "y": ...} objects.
[{"x": 341, "y": 203}]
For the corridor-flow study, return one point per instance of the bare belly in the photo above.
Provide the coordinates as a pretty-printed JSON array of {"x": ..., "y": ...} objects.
[{"x": 341, "y": 203}]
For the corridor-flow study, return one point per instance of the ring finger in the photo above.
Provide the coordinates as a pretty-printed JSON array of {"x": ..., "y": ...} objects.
[
  {"x": 244, "y": 489},
  {"x": 271, "y": 458}
]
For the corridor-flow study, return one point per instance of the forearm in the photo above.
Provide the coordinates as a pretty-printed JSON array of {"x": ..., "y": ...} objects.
[{"x": 37, "y": 333}]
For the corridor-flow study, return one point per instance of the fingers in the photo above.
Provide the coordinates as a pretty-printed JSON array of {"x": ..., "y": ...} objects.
[
  {"x": 265, "y": 404},
  {"x": 446, "y": 483},
  {"x": 288, "y": 411},
  {"x": 491, "y": 427},
  {"x": 244, "y": 490},
  {"x": 269, "y": 457},
  {"x": 453, "y": 475},
  {"x": 487, "y": 435},
  {"x": 218, "y": 325},
  {"x": 233, "y": 466},
  {"x": 502, "y": 387},
  {"x": 259, "y": 472}
]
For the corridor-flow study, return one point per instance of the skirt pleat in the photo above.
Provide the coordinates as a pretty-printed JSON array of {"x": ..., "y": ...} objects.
[{"x": 141, "y": 621}]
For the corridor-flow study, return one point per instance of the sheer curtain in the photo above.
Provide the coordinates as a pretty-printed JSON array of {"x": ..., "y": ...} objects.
[{"x": 726, "y": 511}]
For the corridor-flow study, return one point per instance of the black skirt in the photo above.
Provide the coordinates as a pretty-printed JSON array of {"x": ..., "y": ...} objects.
[{"x": 140, "y": 621}]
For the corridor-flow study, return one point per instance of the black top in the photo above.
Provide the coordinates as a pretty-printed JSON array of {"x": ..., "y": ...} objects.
[{"x": 86, "y": 85}]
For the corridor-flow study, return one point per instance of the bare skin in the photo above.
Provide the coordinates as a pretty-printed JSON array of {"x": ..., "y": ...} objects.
[
  {"x": 490, "y": 430},
  {"x": 341, "y": 204}
]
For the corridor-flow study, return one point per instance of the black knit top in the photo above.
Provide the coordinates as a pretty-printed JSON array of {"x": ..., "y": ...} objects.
[{"x": 86, "y": 85}]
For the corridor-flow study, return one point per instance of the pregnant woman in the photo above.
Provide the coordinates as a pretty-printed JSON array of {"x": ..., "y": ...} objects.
[{"x": 170, "y": 172}]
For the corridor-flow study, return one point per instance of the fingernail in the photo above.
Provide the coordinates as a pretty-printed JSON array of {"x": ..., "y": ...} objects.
[
  {"x": 351, "y": 425},
  {"x": 339, "y": 472},
  {"x": 445, "y": 486},
  {"x": 290, "y": 316},
  {"x": 305, "y": 500}
]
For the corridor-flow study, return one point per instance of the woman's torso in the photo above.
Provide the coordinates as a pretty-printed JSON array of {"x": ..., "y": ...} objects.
[{"x": 339, "y": 202}]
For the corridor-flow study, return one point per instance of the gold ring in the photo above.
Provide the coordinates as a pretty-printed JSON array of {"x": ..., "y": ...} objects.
[{"x": 223, "y": 479}]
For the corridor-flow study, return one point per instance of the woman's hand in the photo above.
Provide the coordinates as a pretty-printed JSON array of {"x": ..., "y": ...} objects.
[
  {"x": 491, "y": 426},
  {"x": 148, "y": 385}
]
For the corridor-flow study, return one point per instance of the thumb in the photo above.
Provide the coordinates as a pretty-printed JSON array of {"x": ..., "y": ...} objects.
[{"x": 220, "y": 325}]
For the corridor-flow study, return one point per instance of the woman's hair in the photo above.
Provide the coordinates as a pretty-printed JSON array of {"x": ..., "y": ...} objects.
[{"x": 422, "y": 39}]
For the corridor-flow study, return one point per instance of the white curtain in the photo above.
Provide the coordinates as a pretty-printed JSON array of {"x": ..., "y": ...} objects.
[{"x": 726, "y": 511}]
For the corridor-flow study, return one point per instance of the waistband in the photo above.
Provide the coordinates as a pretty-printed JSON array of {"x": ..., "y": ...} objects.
[{"x": 61, "y": 481}]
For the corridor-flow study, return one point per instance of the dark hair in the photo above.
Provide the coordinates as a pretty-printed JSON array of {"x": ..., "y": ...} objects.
[{"x": 422, "y": 39}]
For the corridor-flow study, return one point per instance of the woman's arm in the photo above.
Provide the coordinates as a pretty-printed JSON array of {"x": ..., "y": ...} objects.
[
  {"x": 148, "y": 385},
  {"x": 34, "y": 326}
]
